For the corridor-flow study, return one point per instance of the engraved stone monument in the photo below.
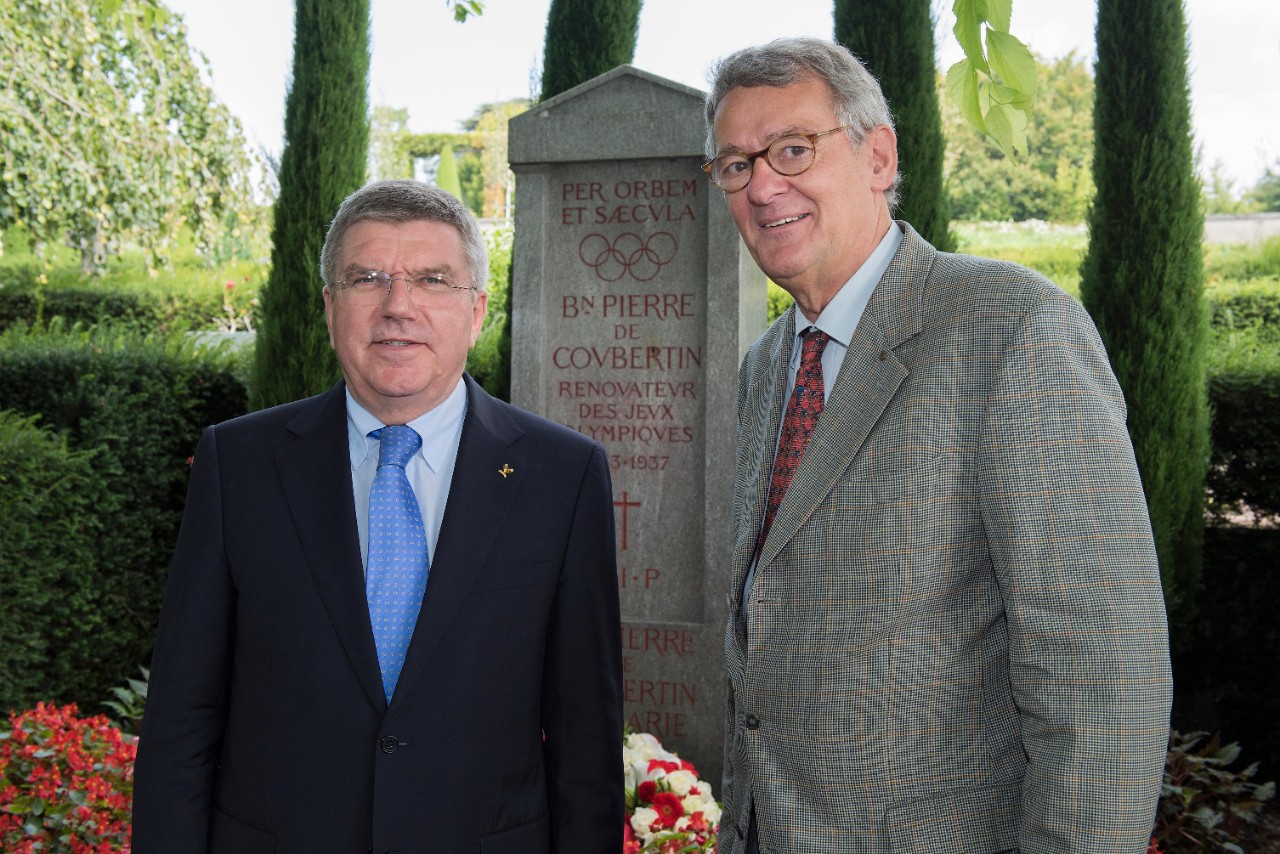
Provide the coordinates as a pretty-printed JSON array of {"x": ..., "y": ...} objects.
[{"x": 634, "y": 301}]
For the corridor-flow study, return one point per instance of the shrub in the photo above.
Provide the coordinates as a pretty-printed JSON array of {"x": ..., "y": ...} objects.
[
  {"x": 1244, "y": 261},
  {"x": 139, "y": 404},
  {"x": 489, "y": 362},
  {"x": 1246, "y": 304},
  {"x": 1244, "y": 390},
  {"x": 66, "y": 783},
  {"x": 170, "y": 302},
  {"x": 48, "y": 531},
  {"x": 1203, "y": 804}
]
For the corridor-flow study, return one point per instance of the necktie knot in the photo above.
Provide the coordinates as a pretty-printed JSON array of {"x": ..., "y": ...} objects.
[
  {"x": 397, "y": 445},
  {"x": 815, "y": 341}
]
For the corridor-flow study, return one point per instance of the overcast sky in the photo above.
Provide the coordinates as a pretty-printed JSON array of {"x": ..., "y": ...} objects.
[{"x": 441, "y": 71}]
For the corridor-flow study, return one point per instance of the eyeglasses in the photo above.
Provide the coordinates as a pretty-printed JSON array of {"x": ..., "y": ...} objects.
[
  {"x": 374, "y": 285},
  {"x": 787, "y": 155}
]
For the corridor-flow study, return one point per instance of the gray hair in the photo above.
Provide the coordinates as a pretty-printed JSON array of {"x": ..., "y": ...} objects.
[
  {"x": 405, "y": 201},
  {"x": 859, "y": 102}
]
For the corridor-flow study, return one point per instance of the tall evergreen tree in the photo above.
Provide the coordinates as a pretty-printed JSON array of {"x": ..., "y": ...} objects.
[
  {"x": 895, "y": 40},
  {"x": 586, "y": 38},
  {"x": 326, "y": 129},
  {"x": 1142, "y": 278}
]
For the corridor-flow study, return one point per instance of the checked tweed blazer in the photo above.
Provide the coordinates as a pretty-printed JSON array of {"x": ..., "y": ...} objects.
[{"x": 955, "y": 640}]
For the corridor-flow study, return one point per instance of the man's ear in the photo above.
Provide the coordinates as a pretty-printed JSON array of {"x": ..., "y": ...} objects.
[{"x": 882, "y": 147}]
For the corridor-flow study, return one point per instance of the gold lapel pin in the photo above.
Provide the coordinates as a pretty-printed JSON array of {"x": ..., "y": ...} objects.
[{"x": 505, "y": 470}]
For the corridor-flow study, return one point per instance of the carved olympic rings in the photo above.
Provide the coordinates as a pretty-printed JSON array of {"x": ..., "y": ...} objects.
[{"x": 628, "y": 253}]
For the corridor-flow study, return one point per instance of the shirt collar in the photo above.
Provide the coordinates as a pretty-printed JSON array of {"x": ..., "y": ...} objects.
[
  {"x": 840, "y": 318},
  {"x": 439, "y": 428}
]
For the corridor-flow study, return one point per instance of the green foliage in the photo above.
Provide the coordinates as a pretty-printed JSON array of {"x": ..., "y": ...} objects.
[
  {"x": 464, "y": 8},
  {"x": 489, "y": 362},
  {"x": 1220, "y": 195},
  {"x": 992, "y": 88},
  {"x": 1203, "y": 803},
  {"x": 326, "y": 130},
  {"x": 388, "y": 126},
  {"x": 895, "y": 40},
  {"x": 778, "y": 301},
  {"x": 1055, "y": 251},
  {"x": 130, "y": 702},
  {"x": 136, "y": 404},
  {"x": 110, "y": 135},
  {"x": 1244, "y": 389},
  {"x": 1243, "y": 261},
  {"x": 48, "y": 534},
  {"x": 208, "y": 300},
  {"x": 1266, "y": 193},
  {"x": 447, "y": 174},
  {"x": 1143, "y": 276},
  {"x": 1052, "y": 181},
  {"x": 586, "y": 38}
]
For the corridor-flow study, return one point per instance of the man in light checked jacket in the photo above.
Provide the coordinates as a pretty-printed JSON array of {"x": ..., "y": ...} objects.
[{"x": 947, "y": 632}]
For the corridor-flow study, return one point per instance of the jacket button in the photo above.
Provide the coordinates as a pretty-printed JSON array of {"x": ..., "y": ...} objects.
[
  {"x": 390, "y": 743},
  {"x": 753, "y": 722}
]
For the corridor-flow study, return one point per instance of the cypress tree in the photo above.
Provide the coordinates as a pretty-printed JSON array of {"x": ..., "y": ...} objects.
[
  {"x": 447, "y": 174},
  {"x": 1142, "y": 277},
  {"x": 894, "y": 38},
  {"x": 326, "y": 129},
  {"x": 586, "y": 38}
]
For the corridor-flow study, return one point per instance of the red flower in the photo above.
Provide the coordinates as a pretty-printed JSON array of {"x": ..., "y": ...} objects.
[
  {"x": 688, "y": 766},
  {"x": 630, "y": 845},
  {"x": 646, "y": 790},
  {"x": 669, "y": 809},
  {"x": 698, "y": 822},
  {"x": 230, "y": 285},
  {"x": 663, "y": 764}
]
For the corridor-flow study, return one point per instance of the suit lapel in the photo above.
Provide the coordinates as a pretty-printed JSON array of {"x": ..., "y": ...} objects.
[
  {"x": 480, "y": 497},
  {"x": 769, "y": 394},
  {"x": 869, "y": 378},
  {"x": 315, "y": 470}
]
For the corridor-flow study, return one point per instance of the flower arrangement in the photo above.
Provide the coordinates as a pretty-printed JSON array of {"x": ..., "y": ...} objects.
[
  {"x": 66, "y": 783},
  {"x": 669, "y": 810}
]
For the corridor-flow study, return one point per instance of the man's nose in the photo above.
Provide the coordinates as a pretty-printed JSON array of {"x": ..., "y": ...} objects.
[
  {"x": 399, "y": 301},
  {"x": 766, "y": 182}
]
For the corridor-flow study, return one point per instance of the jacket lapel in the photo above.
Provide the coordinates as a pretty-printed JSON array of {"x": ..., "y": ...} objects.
[
  {"x": 315, "y": 470},
  {"x": 769, "y": 393},
  {"x": 869, "y": 378},
  {"x": 480, "y": 497}
]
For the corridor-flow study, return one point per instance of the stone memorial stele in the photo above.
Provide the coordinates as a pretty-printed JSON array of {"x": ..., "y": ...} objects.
[{"x": 633, "y": 303}]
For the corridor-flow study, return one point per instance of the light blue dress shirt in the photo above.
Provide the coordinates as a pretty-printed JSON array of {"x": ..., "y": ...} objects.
[
  {"x": 430, "y": 470},
  {"x": 839, "y": 320}
]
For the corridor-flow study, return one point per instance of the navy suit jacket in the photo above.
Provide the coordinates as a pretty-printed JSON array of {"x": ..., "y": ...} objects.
[{"x": 266, "y": 727}]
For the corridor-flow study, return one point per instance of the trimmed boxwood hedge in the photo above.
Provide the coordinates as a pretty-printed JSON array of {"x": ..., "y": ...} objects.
[
  {"x": 48, "y": 534},
  {"x": 134, "y": 406}
]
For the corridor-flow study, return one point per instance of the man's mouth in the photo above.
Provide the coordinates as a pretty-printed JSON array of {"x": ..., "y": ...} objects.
[
  {"x": 784, "y": 221},
  {"x": 396, "y": 342}
]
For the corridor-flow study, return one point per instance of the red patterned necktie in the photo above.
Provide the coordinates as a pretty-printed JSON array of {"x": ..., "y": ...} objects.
[{"x": 803, "y": 410}]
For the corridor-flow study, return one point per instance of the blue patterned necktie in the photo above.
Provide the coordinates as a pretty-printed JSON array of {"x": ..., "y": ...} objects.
[{"x": 397, "y": 574}]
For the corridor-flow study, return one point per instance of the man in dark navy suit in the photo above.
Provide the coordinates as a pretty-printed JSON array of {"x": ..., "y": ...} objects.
[{"x": 307, "y": 695}]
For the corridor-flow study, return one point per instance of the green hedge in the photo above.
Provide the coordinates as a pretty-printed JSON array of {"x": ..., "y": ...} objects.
[
  {"x": 138, "y": 403},
  {"x": 48, "y": 532},
  {"x": 86, "y": 306}
]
